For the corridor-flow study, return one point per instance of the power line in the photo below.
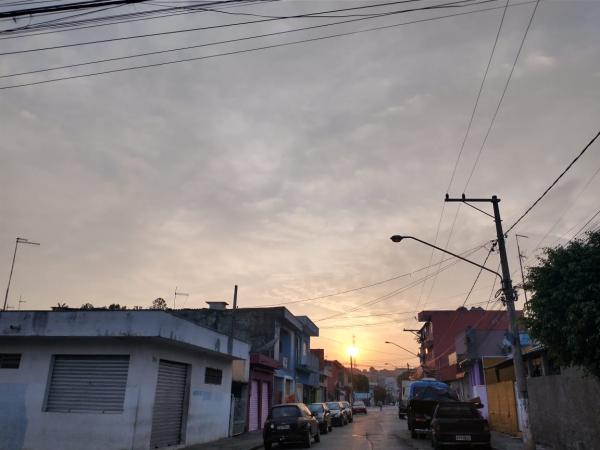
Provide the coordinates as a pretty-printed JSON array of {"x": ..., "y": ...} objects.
[
  {"x": 127, "y": 18},
  {"x": 65, "y": 7},
  {"x": 533, "y": 205},
  {"x": 585, "y": 225},
  {"x": 565, "y": 211},
  {"x": 227, "y": 25},
  {"x": 501, "y": 96},
  {"x": 461, "y": 149},
  {"x": 145, "y": 66}
]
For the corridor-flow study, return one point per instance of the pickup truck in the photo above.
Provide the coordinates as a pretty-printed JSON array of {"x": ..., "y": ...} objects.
[{"x": 424, "y": 396}]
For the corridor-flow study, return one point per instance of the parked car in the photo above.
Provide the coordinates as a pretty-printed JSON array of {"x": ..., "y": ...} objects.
[
  {"x": 321, "y": 412},
  {"x": 459, "y": 423},
  {"x": 403, "y": 399},
  {"x": 423, "y": 397},
  {"x": 359, "y": 407},
  {"x": 338, "y": 415},
  {"x": 348, "y": 410},
  {"x": 291, "y": 422}
]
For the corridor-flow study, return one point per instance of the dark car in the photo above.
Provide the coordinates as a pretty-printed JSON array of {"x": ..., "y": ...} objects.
[
  {"x": 348, "y": 410},
  {"x": 459, "y": 424},
  {"x": 321, "y": 412},
  {"x": 338, "y": 415},
  {"x": 359, "y": 407},
  {"x": 424, "y": 396},
  {"x": 291, "y": 422}
]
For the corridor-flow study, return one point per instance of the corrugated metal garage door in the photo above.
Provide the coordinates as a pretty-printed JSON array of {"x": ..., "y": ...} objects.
[
  {"x": 88, "y": 383},
  {"x": 170, "y": 404},
  {"x": 253, "y": 413},
  {"x": 264, "y": 403}
]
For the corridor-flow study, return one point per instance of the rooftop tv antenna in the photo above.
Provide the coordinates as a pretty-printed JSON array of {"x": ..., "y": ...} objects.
[{"x": 180, "y": 294}]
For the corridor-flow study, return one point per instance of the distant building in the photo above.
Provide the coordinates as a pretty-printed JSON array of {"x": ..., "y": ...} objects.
[
  {"x": 337, "y": 381},
  {"x": 112, "y": 380},
  {"x": 438, "y": 337}
]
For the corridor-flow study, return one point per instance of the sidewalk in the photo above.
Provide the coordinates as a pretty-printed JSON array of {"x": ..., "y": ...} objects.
[
  {"x": 245, "y": 441},
  {"x": 501, "y": 441}
]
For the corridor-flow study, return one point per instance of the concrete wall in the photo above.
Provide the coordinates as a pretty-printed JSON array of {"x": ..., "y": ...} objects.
[
  {"x": 25, "y": 426},
  {"x": 564, "y": 410}
]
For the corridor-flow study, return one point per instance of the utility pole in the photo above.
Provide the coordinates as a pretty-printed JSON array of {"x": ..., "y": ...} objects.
[
  {"x": 352, "y": 372},
  {"x": 230, "y": 341},
  {"x": 517, "y": 236},
  {"x": 17, "y": 242},
  {"x": 509, "y": 297}
]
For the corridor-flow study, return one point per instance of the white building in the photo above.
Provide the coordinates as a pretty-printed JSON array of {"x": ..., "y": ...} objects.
[{"x": 113, "y": 380}]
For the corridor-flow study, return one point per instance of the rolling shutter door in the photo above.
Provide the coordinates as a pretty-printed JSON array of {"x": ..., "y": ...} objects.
[
  {"x": 253, "y": 416},
  {"x": 264, "y": 403},
  {"x": 169, "y": 404},
  {"x": 88, "y": 383}
]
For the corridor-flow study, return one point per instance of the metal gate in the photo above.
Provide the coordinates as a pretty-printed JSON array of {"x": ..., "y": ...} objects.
[
  {"x": 170, "y": 404},
  {"x": 264, "y": 403},
  {"x": 253, "y": 413}
]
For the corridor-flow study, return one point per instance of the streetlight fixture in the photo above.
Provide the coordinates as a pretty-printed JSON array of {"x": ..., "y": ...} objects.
[
  {"x": 397, "y": 238},
  {"x": 17, "y": 242}
]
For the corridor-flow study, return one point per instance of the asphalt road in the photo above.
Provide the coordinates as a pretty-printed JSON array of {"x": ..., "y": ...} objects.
[{"x": 373, "y": 431}]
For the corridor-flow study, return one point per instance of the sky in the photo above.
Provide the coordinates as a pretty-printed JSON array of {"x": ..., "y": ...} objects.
[{"x": 286, "y": 170}]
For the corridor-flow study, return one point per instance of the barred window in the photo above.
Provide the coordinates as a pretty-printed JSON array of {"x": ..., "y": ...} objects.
[
  {"x": 213, "y": 376},
  {"x": 10, "y": 360}
]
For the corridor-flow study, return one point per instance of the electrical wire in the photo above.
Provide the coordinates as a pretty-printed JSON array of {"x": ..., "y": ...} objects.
[
  {"x": 489, "y": 129},
  {"x": 534, "y": 204},
  {"x": 460, "y": 152},
  {"x": 145, "y": 66},
  {"x": 227, "y": 25}
]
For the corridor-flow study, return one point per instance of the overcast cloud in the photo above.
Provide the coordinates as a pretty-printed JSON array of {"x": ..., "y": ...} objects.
[{"x": 285, "y": 171}]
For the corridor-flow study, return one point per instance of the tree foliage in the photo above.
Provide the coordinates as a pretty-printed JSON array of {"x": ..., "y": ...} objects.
[
  {"x": 360, "y": 383},
  {"x": 159, "y": 303},
  {"x": 87, "y": 306},
  {"x": 564, "y": 310},
  {"x": 379, "y": 393}
]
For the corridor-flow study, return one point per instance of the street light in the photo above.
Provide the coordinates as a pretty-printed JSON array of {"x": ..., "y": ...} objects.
[
  {"x": 17, "y": 242},
  {"x": 397, "y": 238}
]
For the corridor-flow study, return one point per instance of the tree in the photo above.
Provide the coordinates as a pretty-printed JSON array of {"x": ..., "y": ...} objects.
[
  {"x": 159, "y": 303},
  {"x": 87, "y": 306},
  {"x": 116, "y": 306},
  {"x": 360, "y": 383},
  {"x": 379, "y": 394},
  {"x": 564, "y": 310}
]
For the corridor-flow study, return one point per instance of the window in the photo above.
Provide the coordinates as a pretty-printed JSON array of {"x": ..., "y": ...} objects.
[
  {"x": 87, "y": 383},
  {"x": 285, "y": 411},
  {"x": 213, "y": 376},
  {"x": 10, "y": 360}
]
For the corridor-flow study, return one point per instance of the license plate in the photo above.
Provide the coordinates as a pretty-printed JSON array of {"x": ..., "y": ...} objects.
[
  {"x": 460, "y": 437},
  {"x": 287, "y": 427}
]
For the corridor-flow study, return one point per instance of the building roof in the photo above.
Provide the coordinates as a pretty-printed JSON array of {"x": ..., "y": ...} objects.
[{"x": 102, "y": 324}]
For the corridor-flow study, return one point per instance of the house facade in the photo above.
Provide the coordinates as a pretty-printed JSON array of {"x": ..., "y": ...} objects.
[
  {"x": 112, "y": 380},
  {"x": 437, "y": 337},
  {"x": 282, "y": 369}
]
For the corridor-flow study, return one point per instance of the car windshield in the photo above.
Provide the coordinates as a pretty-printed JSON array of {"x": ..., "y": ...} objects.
[
  {"x": 285, "y": 411},
  {"x": 433, "y": 392},
  {"x": 316, "y": 407},
  {"x": 333, "y": 405},
  {"x": 451, "y": 411},
  {"x": 359, "y": 404}
]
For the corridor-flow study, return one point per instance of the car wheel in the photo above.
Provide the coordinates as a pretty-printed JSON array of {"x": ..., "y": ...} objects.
[
  {"x": 307, "y": 439},
  {"x": 318, "y": 436},
  {"x": 267, "y": 445}
]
